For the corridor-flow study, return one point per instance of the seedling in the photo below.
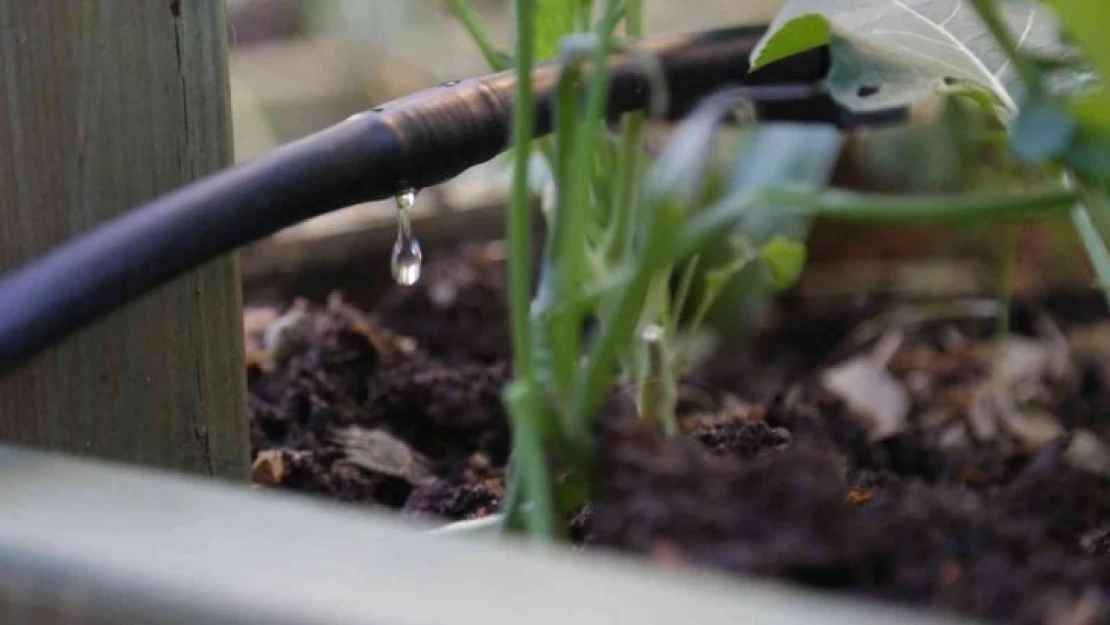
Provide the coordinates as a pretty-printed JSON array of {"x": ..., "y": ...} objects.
[{"x": 616, "y": 295}]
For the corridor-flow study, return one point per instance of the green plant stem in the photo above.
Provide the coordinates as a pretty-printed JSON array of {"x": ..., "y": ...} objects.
[
  {"x": 1008, "y": 272},
  {"x": 1094, "y": 246},
  {"x": 1083, "y": 207},
  {"x": 1094, "y": 242},
  {"x": 617, "y": 237},
  {"x": 634, "y": 18},
  {"x": 585, "y": 14},
  {"x": 631, "y": 156},
  {"x": 520, "y": 216},
  {"x": 1028, "y": 72},
  {"x": 577, "y": 183},
  {"x": 661, "y": 390},
  {"x": 682, "y": 293},
  {"x": 868, "y": 208},
  {"x": 620, "y": 321},
  {"x": 597, "y": 375},
  {"x": 556, "y": 335},
  {"x": 473, "y": 23},
  {"x": 896, "y": 208},
  {"x": 513, "y": 504},
  {"x": 657, "y": 394},
  {"x": 519, "y": 234},
  {"x": 567, "y": 262},
  {"x": 526, "y": 413}
]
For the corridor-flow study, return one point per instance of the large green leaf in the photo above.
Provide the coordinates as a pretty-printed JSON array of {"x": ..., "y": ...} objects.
[
  {"x": 1087, "y": 21},
  {"x": 891, "y": 53}
]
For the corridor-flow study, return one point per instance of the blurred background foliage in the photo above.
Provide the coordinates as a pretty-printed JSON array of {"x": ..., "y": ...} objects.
[{"x": 298, "y": 66}]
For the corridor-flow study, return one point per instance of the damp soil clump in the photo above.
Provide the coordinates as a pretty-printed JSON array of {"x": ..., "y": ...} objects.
[{"x": 918, "y": 459}]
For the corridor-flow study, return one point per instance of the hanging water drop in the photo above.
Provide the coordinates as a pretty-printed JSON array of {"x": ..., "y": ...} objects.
[{"x": 407, "y": 257}]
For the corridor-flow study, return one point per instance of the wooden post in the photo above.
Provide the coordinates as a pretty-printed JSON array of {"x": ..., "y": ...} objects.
[{"x": 105, "y": 104}]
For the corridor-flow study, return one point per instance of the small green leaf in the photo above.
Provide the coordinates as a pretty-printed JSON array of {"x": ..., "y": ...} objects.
[
  {"x": 784, "y": 260},
  {"x": 795, "y": 36},
  {"x": 1043, "y": 131},
  {"x": 1086, "y": 21}
]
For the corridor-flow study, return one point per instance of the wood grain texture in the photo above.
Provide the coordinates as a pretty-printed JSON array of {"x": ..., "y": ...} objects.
[{"x": 105, "y": 104}]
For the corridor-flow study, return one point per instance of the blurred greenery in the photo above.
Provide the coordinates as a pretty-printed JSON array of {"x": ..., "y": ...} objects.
[{"x": 300, "y": 65}]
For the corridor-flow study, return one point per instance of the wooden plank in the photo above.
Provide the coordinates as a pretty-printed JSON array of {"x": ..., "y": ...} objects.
[
  {"x": 105, "y": 104},
  {"x": 87, "y": 542}
]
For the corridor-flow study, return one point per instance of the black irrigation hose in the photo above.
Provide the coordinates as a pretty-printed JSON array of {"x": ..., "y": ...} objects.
[{"x": 416, "y": 141}]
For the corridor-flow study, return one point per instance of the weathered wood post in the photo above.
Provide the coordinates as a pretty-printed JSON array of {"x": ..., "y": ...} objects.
[{"x": 105, "y": 104}]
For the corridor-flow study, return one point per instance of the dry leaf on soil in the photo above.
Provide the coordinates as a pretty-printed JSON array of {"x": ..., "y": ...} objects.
[
  {"x": 381, "y": 452},
  {"x": 873, "y": 394},
  {"x": 268, "y": 468}
]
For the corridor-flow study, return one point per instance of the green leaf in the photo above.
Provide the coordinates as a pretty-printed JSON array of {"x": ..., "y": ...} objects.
[
  {"x": 1086, "y": 21},
  {"x": 784, "y": 260},
  {"x": 891, "y": 53},
  {"x": 1043, "y": 131},
  {"x": 464, "y": 11},
  {"x": 795, "y": 36}
]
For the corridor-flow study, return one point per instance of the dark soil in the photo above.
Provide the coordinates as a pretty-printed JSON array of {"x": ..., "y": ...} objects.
[{"x": 1000, "y": 513}]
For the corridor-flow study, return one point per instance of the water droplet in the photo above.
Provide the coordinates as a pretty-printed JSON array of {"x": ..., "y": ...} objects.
[
  {"x": 407, "y": 257},
  {"x": 405, "y": 200},
  {"x": 652, "y": 333}
]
